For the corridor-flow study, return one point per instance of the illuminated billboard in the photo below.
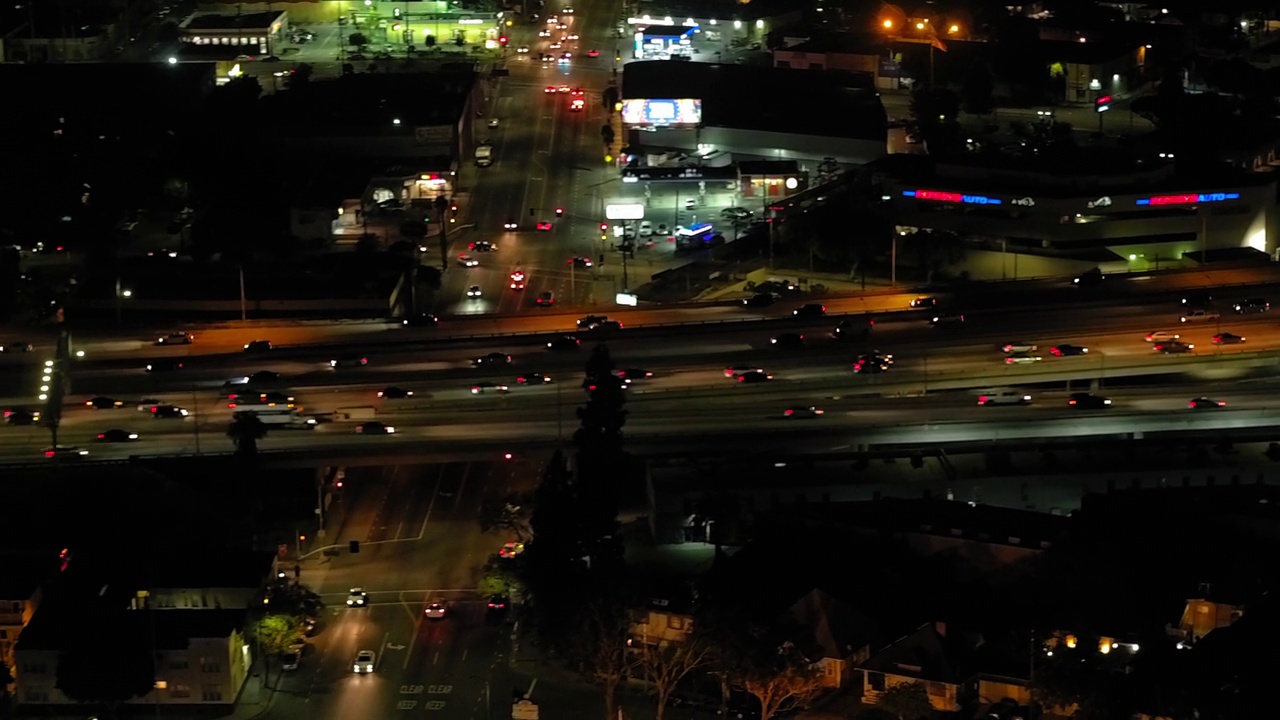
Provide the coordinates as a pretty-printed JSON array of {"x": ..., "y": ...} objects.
[{"x": 662, "y": 112}]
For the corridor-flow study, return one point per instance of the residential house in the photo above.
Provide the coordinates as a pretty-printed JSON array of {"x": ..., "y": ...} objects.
[
  {"x": 666, "y": 618},
  {"x": 926, "y": 656},
  {"x": 22, "y": 580},
  {"x": 1204, "y": 614},
  {"x": 190, "y": 609},
  {"x": 841, "y": 636}
]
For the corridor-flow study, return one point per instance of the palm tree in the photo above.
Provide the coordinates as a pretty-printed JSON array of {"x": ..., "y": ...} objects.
[{"x": 245, "y": 430}]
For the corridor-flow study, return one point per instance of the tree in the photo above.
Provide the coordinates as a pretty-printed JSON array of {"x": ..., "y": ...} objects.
[
  {"x": 935, "y": 112},
  {"x": 603, "y": 416},
  {"x": 906, "y": 701},
  {"x": 245, "y": 430},
  {"x": 357, "y": 40},
  {"x": 301, "y": 75},
  {"x": 501, "y": 576},
  {"x": 604, "y": 655},
  {"x": 977, "y": 92},
  {"x": 275, "y": 634},
  {"x": 791, "y": 686},
  {"x": 665, "y": 664},
  {"x": 107, "y": 668},
  {"x": 507, "y": 514}
]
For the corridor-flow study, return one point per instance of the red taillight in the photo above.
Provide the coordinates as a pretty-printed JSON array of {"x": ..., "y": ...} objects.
[
  {"x": 824, "y": 308},
  {"x": 49, "y": 453},
  {"x": 790, "y": 412},
  {"x": 982, "y": 399},
  {"x": 1071, "y": 402},
  {"x": 154, "y": 409},
  {"x": 231, "y": 405},
  {"x": 101, "y": 435},
  {"x": 742, "y": 378}
]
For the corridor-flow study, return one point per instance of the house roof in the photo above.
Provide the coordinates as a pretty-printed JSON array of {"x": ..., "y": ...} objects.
[
  {"x": 838, "y": 629},
  {"x": 764, "y": 98},
  {"x": 228, "y": 21},
  {"x": 21, "y": 574},
  {"x": 925, "y": 654}
]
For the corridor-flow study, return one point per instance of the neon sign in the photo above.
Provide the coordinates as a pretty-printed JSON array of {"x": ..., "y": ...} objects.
[
  {"x": 1189, "y": 199},
  {"x": 951, "y": 197}
]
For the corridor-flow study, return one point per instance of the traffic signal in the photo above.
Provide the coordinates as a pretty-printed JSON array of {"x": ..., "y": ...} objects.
[
  {"x": 353, "y": 546},
  {"x": 502, "y": 40},
  {"x": 559, "y": 212}
]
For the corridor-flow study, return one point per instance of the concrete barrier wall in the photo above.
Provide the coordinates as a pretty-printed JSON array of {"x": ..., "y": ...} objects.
[{"x": 252, "y": 307}]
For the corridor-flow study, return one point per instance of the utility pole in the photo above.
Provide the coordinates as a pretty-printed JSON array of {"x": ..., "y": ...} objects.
[{"x": 243, "y": 313}]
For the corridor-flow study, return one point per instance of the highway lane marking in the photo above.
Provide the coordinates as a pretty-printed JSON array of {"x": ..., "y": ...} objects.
[
  {"x": 422, "y": 531},
  {"x": 382, "y": 650},
  {"x": 413, "y": 639},
  {"x": 462, "y": 485}
]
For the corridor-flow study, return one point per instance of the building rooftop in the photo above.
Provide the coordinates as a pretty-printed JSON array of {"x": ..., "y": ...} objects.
[
  {"x": 366, "y": 103},
  {"x": 229, "y": 21},
  {"x": 834, "y": 42},
  {"x": 56, "y": 624},
  {"x": 767, "y": 99},
  {"x": 21, "y": 574}
]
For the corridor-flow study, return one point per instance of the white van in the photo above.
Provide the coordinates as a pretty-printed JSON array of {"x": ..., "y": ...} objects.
[{"x": 1004, "y": 396}]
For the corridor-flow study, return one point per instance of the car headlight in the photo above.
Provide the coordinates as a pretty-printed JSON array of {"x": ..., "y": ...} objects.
[
  {"x": 133, "y": 436},
  {"x": 333, "y": 363},
  {"x": 390, "y": 430}
]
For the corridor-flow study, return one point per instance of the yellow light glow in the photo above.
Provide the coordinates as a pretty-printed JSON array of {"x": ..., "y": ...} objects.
[
  {"x": 919, "y": 26},
  {"x": 888, "y": 24},
  {"x": 953, "y": 29},
  {"x": 1071, "y": 641}
]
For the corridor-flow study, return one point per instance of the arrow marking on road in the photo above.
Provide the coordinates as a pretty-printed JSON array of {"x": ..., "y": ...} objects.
[{"x": 395, "y": 647}]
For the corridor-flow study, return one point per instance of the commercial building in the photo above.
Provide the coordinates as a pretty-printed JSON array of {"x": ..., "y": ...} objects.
[
  {"x": 217, "y": 34},
  {"x": 408, "y": 22},
  {"x": 189, "y": 611},
  {"x": 1149, "y": 212},
  {"x": 751, "y": 112}
]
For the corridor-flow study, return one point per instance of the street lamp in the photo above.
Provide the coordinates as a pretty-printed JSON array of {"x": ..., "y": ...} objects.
[{"x": 121, "y": 294}]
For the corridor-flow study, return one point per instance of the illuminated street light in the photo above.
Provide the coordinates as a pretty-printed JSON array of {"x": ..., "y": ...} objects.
[
  {"x": 43, "y": 396},
  {"x": 888, "y": 24},
  {"x": 126, "y": 293},
  {"x": 953, "y": 29},
  {"x": 44, "y": 388},
  {"x": 173, "y": 60}
]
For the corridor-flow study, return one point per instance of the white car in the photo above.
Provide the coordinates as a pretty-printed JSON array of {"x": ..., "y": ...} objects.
[
  {"x": 364, "y": 663},
  {"x": 357, "y": 598},
  {"x": 466, "y": 260},
  {"x": 1018, "y": 347},
  {"x": 435, "y": 611},
  {"x": 523, "y": 49},
  {"x": 544, "y": 33},
  {"x": 1022, "y": 359},
  {"x": 646, "y": 229},
  {"x": 291, "y": 659},
  {"x": 1161, "y": 336},
  {"x": 473, "y": 291},
  {"x": 1199, "y": 315},
  {"x": 1004, "y": 397}
]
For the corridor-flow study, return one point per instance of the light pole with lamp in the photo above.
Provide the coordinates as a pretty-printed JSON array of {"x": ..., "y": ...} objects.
[{"x": 121, "y": 295}]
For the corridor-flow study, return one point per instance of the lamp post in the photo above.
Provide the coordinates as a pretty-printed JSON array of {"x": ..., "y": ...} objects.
[
  {"x": 121, "y": 295},
  {"x": 243, "y": 314}
]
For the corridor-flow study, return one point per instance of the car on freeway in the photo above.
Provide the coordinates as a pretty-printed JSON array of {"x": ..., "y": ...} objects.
[
  {"x": 264, "y": 376},
  {"x": 21, "y": 416},
  {"x": 555, "y": 45},
  {"x": 1018, "y": 347},
  {"x": 593, "y": 53},
  {"x": 1022, "y": 359},
  {"x": 608, "y": 325},
  {"x": 803, "y": 412},
  {"x": 755, "y": 376},
  {"x": 435, "y": 611},
  {"x": 850, "y": 329},
  {"x": 349, "y": 361},
  {"x": 467, "y": 261},
  {"x": 734, "y": 371},
  {"x": 924, "y": 303},
  {"x": 485, "y": 245},
  {"x": 145, "y": 404},
  {"x": 810, "y": 310},
  {"x": 474, "y": 292},
  {"x": 546, "y": 298},
  {"x": 787, "y": 340},
  {"x": 760, "y": 299},
  {"x": 581, "y": 262},
  {"x": 511, "y": 550},
  {"x": 375, "y": 428},
  {"x": 65, "y": 451},
  {"x": 942, "y": 319},
  {"x": 115, "y": 435},
  {"x": 17, "y": 347},
  {"x": 481, "y": 388},
  {"x": 421, "y": 320},
  {"x": 1173, "y": 347},
  {"x": 1068, "y": 350},
  {"x": 533, "y": 378},
  {"x": 493, "y": 358},
  {"x": 1161, "y": 336},
  {"x": 164, "y": 365},
  {"x": 564, "y": 343},
  {"x": 542, "y": 34},
  {"x": 1252, "y": 305},
  {"x": 563, "y": 88},
  {"x": 590, "y": 321},
  {"x": 1204, "y": 403},
  {"x": 630, "y": 374},
  {"x": 364, "y": 662},
  {"x": 104, "y": 403},
  {"x": 162, "y": 412},
  {"x": 523, "y": 49},
  {"x": 1227, "y": 338},
  {"x": 1088, "y": 278},
  {"x": 575, "y": 106},
  {"x": 255, "y": 346},
  {"x": 1201, "y": 315},
  {"x": 1088, "y": 401},
  {"x": 498, "y": 604},
  {"x": 176, "y": 338},
  {"x": 1005, "y": 396},
  {"x": 543, "y": 226},
  {"x": 566, "y": 57},
  {"x": 872, "y": 364},
  {"x": 392, "y": 392},
  {"x": 573, "y": 36},
  {"x": 516, "y": 285}
]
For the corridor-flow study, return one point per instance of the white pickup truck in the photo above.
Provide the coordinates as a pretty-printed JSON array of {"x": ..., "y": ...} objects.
[
  {"x": 1200, "y": 315},
  {"x": 484, "y": 155}
]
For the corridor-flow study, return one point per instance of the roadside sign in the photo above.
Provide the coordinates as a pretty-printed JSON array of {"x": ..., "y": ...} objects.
[{"x": 524, "y": 710}]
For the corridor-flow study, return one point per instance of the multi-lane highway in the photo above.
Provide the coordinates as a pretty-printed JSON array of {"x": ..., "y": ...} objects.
[{"x": 935, "y": 379}]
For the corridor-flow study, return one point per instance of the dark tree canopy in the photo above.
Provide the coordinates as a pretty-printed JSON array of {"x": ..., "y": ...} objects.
[{"x": 107, "y": 668}]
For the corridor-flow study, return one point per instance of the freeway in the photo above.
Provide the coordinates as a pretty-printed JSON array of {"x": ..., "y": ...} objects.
[{"x": 935, "y": 377}]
